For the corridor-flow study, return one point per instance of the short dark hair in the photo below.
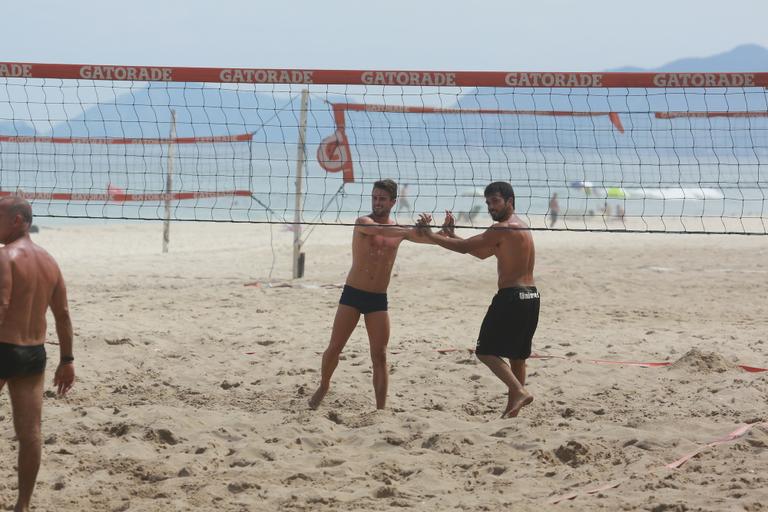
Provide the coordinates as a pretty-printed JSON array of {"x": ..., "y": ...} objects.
[
  {"x": 19, "y": 206},
  {"x": 388, "y": 186},
  {"x": 502, "y": 188}
]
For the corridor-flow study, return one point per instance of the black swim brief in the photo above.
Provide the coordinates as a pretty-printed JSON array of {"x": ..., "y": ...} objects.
[
  {"x": 364, "y": 302},
  {"x": 21, "y": 360},
  {"x": 510, "y": 323}
]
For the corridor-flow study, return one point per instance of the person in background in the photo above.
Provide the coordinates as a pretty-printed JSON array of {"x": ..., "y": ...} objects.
[{"x": 554, "y": 210}]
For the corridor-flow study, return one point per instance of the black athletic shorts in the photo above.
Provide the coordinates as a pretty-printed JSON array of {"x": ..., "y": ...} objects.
[
  {"x": 21, "y": 360},
  {"x": 364, "y": 302},
  {"x": 510, "y": 323}
]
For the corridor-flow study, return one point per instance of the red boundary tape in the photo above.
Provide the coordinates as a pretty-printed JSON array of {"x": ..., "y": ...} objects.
[
  {"x": 740, "y": 431},
  {"x": 123, "y": 197},
  {"x": 35, "y": 139},
  {"x": 751, "y": 369}
]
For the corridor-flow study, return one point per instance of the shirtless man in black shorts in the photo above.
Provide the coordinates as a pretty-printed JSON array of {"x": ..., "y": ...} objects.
[
  {"x": 30, "y": 282},
  {"x": 511, "y": 320},
  {"x": 375, "y": 241}
]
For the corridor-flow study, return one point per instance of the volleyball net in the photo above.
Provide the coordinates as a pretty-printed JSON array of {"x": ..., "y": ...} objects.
[{"x": 651, "y": 152}]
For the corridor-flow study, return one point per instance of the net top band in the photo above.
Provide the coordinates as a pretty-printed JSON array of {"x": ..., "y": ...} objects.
[{"x": 384, "y": 78}]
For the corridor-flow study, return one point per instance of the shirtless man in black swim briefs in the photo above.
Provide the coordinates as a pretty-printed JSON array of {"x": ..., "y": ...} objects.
[
  {"x": 30, "y": 282},
  {"x": 375, "y": 241},
  {"x": 509, "y": 325}
]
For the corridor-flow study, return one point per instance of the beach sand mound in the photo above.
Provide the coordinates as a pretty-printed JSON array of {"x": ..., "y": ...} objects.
[{"x": 696, "y": 360}]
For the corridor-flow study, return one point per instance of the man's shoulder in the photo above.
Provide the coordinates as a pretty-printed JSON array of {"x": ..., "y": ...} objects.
[
  {"x": 507, "y": 226},
  {"x": 23, "y": 246},
  {"x": 29, "y": 249},
  {"x": 517, "y": 222},
  {"x": 512, "y": 227},
  {"x": 365, "y": 220}
]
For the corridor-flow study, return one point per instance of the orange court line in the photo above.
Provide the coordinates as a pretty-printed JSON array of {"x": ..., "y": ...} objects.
[
  {"x": 751, "y": 369},
  {"x": 740, "y": 431}
]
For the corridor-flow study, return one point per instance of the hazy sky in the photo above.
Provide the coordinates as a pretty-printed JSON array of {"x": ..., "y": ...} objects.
[{"x": 551, "y": 35}]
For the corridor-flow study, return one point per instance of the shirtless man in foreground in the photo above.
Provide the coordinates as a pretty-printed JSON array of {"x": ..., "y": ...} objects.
[
  {"x": 375, "y": 241},
  {"x": 30, "y": 282},
  {"x": 511, "y": 320}
]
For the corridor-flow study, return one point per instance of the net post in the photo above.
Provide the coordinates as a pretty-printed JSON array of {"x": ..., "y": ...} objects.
[
  {"x": 169, "y": 185},
  {"x": 298, "y": 259}
]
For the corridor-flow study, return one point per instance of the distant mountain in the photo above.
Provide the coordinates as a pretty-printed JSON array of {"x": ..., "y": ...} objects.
[
  {"x": 16, "y": 128},
  {"x": 201, "y": 111},
  {"x": 634, "y": 106},
  {"x": 747, "y": 57}
]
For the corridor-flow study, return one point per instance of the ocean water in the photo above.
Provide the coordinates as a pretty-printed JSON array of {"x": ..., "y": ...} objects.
[{"x": 438, "y": 179}]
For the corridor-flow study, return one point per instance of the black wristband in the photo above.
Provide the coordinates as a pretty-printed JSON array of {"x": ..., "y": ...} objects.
[{"x": 66, "y": 359}]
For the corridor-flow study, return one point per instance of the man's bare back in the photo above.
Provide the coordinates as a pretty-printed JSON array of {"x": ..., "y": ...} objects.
[
  {"x": 30, "y": 282},
  {"x": 34, "y": 276}
]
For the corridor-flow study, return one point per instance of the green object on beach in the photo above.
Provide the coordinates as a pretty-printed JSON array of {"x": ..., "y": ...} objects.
[{"x": 616, "y": 193}]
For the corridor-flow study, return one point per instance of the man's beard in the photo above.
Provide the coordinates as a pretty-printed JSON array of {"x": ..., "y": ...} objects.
[{"x": 498, "y": 216}]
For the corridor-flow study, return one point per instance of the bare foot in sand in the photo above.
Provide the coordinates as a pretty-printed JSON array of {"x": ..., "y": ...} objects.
[
  {"x": 314, "y": 402},
  {"x": 514, "y": 404}
]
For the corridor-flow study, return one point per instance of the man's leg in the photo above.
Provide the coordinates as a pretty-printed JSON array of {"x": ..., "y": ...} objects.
[
  {"x": 27, "y": 404},
  {"x": 343, "y": 325},
  {"x": 518, "y": 368},
  {"x": 518, "y": 396},
  {"x": 377, "y": 324}
]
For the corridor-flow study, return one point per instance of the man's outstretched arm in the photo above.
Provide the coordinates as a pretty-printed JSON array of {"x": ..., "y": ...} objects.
[
  {"x": 481, "y": 250},
  {"x": 367, "y": 226},
  {"x": 481, "y": 246}
]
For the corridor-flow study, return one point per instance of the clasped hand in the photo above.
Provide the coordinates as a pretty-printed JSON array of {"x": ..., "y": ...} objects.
[{"x": 425, "y": 221}]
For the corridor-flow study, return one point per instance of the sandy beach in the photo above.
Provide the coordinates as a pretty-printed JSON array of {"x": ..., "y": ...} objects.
[{"x": 194, "y": 369}]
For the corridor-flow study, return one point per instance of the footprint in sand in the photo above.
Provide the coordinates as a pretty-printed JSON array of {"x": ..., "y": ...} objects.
[
  {"x": 330, "y": 463},
  {"x": 238, "y": 487},
  {"x": 118, "y": 430},
  {"x": 441, "y": 444},
  {"x": 497, "y": 470},
  {"x": 385, "y": 492},
  {"x": 572, "y": 453},
  {"x": 161, "y": 435}
]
